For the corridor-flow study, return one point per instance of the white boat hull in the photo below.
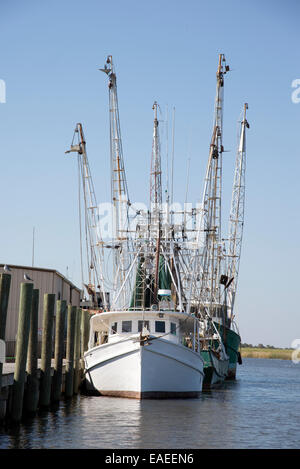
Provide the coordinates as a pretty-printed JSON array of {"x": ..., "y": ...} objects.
[{"x": 158, "y": 369}]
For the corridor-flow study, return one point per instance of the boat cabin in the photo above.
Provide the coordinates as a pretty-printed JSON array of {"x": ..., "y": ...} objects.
[{"x": 110, "y": 327}]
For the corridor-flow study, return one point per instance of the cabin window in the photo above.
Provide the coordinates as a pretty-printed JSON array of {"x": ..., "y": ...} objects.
[
  {"x": 173, "y": 328},
  {"x": 160, "y": 326},
  {"x": 142, "y": 324},
  {"x": 114, "y": 327},
  {"x": 126, "y": 326}
]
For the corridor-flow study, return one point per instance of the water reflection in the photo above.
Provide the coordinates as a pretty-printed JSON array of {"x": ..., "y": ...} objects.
[{"x": 259, "y": 410}]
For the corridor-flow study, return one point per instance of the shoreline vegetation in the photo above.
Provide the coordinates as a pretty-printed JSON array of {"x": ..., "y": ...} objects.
[{"x": 261, "y": 351}]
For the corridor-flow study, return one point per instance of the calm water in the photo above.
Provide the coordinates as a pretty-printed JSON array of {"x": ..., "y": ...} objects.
[{"x": 260, "y": 410}]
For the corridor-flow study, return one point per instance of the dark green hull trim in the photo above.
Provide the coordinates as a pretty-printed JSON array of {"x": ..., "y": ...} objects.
[
  {"x": 207, "y": 368},
  {"x": 215, "y": 371},
  {"x": 232, "y": 342},
  {"x": 208, "y": 374}
]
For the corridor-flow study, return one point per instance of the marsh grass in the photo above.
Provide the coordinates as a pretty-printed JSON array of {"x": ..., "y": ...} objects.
[{"x": 255, "y": 352}]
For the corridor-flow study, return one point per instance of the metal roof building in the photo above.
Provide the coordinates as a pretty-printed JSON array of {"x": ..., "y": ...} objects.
[{"x": 47, "y": 281}]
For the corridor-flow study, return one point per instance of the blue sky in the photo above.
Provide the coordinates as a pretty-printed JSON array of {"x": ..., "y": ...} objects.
[{"x": 50, "y": 53}]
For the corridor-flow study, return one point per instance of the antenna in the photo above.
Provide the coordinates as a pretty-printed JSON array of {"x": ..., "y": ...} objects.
[
  {"x": 172, "y": 167},
  {"x": 187, "y": 178},
  {"x": 187, "y": 188},
  {"x": 167, "y": 151}
]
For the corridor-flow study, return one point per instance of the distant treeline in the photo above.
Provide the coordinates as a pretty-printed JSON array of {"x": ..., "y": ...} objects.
[
  {"x": 265, "y": 351},
  {"x": 262, "y": 346}
]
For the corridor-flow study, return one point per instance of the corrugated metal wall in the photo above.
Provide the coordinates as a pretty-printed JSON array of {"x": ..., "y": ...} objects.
[{"x": 47, "y": 281}]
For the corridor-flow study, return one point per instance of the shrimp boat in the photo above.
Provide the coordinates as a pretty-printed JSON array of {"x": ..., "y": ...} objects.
[
  {"x": 135, "y": 362},
  {"x": 218, "y": 264},
  {"x": 160, "y": 292},
  {"x": 208, "y": 296}
]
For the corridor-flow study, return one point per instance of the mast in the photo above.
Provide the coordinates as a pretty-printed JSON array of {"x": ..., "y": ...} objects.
[
  {"x": 119, "y": 190},
  {"x": 210, "y": 223},
  {"x": 155, "y": 179},
  {"x": 156, "y": 196},
  {"x": 94, "y": 244},
  {"x": 236, "y": 219}
]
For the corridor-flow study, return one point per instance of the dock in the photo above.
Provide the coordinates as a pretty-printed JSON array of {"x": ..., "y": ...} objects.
[
  {"x": 9, "y": 370},
  {"x": 6, "y": 393},
  {"x": 35, "y": 381}
]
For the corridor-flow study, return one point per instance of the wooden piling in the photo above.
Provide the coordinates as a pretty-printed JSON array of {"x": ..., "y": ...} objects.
[
  {"x": 85, "y": 332},
  {"x": 69, "y": 375},
  {"x": 77, "y": 349},
  {"x": 61, "y": 308},
  {"x": 21, "y": 352},
  {"x": 48, "y": 318},
  {"x": 5, "y": 280},
  {"x": 32, "y": 388}
]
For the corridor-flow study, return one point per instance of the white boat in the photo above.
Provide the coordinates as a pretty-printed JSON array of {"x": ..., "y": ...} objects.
[
  {"x": 159, "y": 285},
  {"x": 143, "y": 358}
]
